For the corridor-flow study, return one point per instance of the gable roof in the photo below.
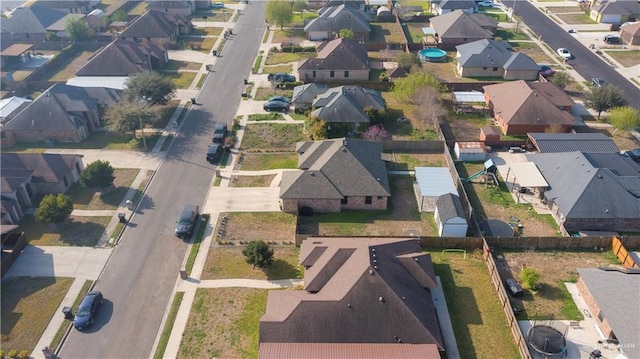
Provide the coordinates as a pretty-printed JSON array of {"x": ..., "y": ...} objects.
[
  {"x": 61, "y": 24},
  {"x": 571, "y": 142},
  {"x": 346, "y": 104},
  {"x": 337, "y": 168},
  {"x": 347, "y": 350},
  {"x": 335, "y": 18},
  {"x": 591, "y": 185},
  {"x": 31, "y": 20},
  {"x": 338, "y": 54},
  {"x": 9, "y": 107},
  {"x": 304, "y": 94},
  {"x": 155, "y": 24},
  {"x": 617, "y": 296},
  {"x": 168, "y": 4},
  {"x": 457, "y": 4},
  {"x": 618, "y": 7},
  {"x": 449, "y": 206},
  {"x": 459, "y": 25},
  {"x": 492, "y": 53},
  {"x": 122, "y": 58},
  {"x": 45, "y": 167},
  {"x": 633, "y": 29},
  {"x": 363, "y": 290},
  {"x": 522, "y": 103}
]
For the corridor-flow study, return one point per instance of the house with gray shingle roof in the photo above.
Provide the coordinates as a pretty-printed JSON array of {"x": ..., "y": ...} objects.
[
  {"x": 447, "y": 6},
  {"x": 615, "y": 11},
  {"x": 337, "y": 60},
  {"x": 304, "y": 95},
  {"x": 457, "y": 28},
  {"x": 124, "y": 58},
  {"x": 490, "y": 58},
  {"x": 69, "y": 6},
  {"x": 347, "y": 105},
  {"x": 591, "y": 191},
  {"x": 358, "y": 290},
  {"x": 157, "y": 26},
  {"x": 29, "y": 24},
  {"x": 178, "y": 7},
  {"x": 332, "y": 19},
  {"x": 62, "y": 113},
  {"x": 336, "y": 175},
  {"x": 25, "y": 176},
  {"x": 572, "y": 142},
  {"x": 612, "y": 297}
]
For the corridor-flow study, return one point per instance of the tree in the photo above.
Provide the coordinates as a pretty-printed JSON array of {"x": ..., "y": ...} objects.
[
  {"x": 97, "y": 174},
  {"x": 279, "y": 12},
  {"x": 258, "y": 253},
  {"x": 346, "y": 33},
  {"x": 624, "y": 118},
  {"x": 405, "y": 87},
  {"x": 529, "y": 277},
  {"x": 316, "y": 128},
  {"x": 561, "y": 79},
  {"x": 150, "y": 85},
  {"x": 406, "y": 60},
  {"x": 375, "y": 133},
  {"x": 300, "y": 6},
  {"x": 123, "y": 116},
  {"x": 377, "y": 116},
  {"x": 54, "y": 208},
  {"x": 429, "y": 108},
  {"x": 603, "y": 98},
  {"x": 78, "y": 29}
]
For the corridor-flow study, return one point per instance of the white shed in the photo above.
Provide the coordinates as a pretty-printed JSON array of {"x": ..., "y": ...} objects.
[
  {"x": 470, "y": 151},
  {"x": 450, "y": 216},
  {"x": 431, "y": 183}
]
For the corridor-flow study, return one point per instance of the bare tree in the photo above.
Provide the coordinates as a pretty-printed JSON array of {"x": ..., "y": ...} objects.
[{"x": 428, "y": 105}]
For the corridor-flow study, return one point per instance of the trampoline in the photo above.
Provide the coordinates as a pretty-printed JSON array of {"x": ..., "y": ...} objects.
[
  {"x": 547, "y": 340},
  {"x": 432, "y": 55},
  {"x": 493, "y": 227}
]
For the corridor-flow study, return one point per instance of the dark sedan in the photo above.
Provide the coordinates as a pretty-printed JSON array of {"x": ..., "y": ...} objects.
[
  {"x": 280, "y": 98},
  {"x": 281, "y": 77},
  {"x": 276, "y": 106},
  {"x": 546, "y": 71},
  {"x": 86, "y": 313}
]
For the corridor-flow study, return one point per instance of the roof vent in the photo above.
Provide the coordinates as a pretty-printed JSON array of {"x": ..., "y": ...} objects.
[
  {"x": 373, "y": 249},
  {"x": 381, "y": 299},
  {"x": 349, "y": 305},
  {"x": 415, "y": 259},
  {"x": 371, "y": 271},
  {"x": 375, "y": 267},
  {"x": 606, "y": 211}
]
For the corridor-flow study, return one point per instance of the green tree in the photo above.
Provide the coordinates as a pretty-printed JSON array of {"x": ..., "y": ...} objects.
[
  {"x": 346, "y": 33},
  {"x": 279, "y": 12},
  {"x": 150, "y": 85},
  {"x": 404, "y": 88},
  {"x": 123, "y": 116},
  {"x": 97, "y": 174},
  {"x": 624, "y": 118},
  {"x": 561, "y": 79},
  {"x": 316, "y": 128},
  {"x": 258, "y": 253},
  {"x": 603, "y": 98},
  {"x": 406, "y": 60},
  {"x": 378, "y": 116},
  {"x": 78, "y": 29},
  {"x": 300, "y": 6},
  {"x": 54, "y": 208},
  {"x": 529, "y": 277},
  {"x": 116, "y": 16}
]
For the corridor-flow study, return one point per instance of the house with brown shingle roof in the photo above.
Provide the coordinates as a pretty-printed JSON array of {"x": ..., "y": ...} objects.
[
  {"x": 457, "y": 28},
  {"x": 124, "y": 58},
  {"x": 179, "y": 7},
  {"x": 160, "y": 27},
  {"x": 358, "y": 290},
  {"x": 332, "y": 19},
  {"x": 338, "y": 60},
  {"x": 630, "y": 34},
  {"x": 336, "y": 175},
  {"x": 521, "y": 107}
]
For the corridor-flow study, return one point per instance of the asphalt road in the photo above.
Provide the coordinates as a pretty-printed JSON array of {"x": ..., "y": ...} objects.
[
  {"x": 140, "y": 275},
  {"x": 585, "y": 62}
]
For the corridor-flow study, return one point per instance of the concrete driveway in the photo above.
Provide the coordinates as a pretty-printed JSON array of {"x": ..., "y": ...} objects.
[
  {"x": 229, "y": 199},
  {"x": 73, "y": 262}
]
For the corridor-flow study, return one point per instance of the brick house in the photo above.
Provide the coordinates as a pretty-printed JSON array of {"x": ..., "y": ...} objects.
[
  {"x": 163, "y": 28},
  {"x": 457, "y": 28},
  {"x": 337, "y": 60},
  {"x": 333, "y": 18},
  {"x": 125, "y": 58},
  {"x": 336, "y": 175}
]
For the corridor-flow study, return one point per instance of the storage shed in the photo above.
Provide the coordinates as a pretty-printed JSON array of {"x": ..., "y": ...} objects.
[
  {"x": 490, "y": 133},
  {"x": 431, "y": 183},
  {"x": 450, "y": 216},
  {"x": 470, "y": 151}
]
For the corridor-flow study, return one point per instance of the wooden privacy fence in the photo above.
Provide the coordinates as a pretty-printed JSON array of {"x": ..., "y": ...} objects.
[
  {"x": 627, "y": 260},
  {"x": 413, "y": 146}
]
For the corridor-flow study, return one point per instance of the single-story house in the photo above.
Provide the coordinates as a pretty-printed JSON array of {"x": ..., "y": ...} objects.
[
  {"x": 447, "y": 6},
  {"x": 29, "y": 24},
  {"x": 123, "y": 58},
  {"x": 449, "y": 216},
  {"x": 615, "y": 11},
  {"x": 160, "y": 27},
  {"x": 337, "y": 60},
  {"x": 347, "y": 105},
  {"x": 572, "y": 142},
  {"x": 178, "y": 7},
  {"x": 521, "y": 107},
  {"x": 335, "y": 175},
  {"x": 304, "y": 95},
  {"x": 457, "y": 28},
  {"x": 470, "y": 151},
  {"x": 69, "y": 6},
  {"x": 431, "y": 183},
  {"x": 491, "y": 58},
  {"x": 630, "y": 34},
  {"x": 363, "y": 291},
  {"x": 332, "y": 19},
  {"x": 591, "y": 191}
]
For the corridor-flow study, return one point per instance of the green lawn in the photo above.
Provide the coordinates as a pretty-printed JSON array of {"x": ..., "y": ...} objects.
[
  {"x": 626, "y": 58},
  {"x": 275, "y": 69},
  {"x": 76, "y": 231},
  {"x": 271, "y": 116},
  {"x": 504, "y": 34},
  {"x": 272, "y": 137},
  {"x": 264, "y": 93},
  {"x": 168, "y": 326},
  {"x": 195, "y": 247},
  {"x": 182, "y": 65},
  {"x": 207, "y": 31},
  {"x": 269, "y": 161},
  {"x": 228, "y": 262},
  {"x": 182, "y": 80},
  {"x": 98, "y": 140},
  {"x": 275, "y": 58},
  {"x": 28, "y": 303}
]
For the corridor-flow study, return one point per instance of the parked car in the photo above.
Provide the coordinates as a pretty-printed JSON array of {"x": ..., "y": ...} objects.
[
  {"x": 281, "y": 77},
  {"x": 546, "y": 71},
  {"x": 277, "y": 106},
  {"x": 86, "y": 314},
  {"x": 213, "y": 152},
  {"x": 513, "y": 287},
  {"x": 564, "y": 53},
  {"x": 220, "y": 132},
  {"x": 597, "y": 82},
  {"x": 217, "y": 5},
  {"x": 280, "y": 98},
  {"x": 485, "y": 4},
  {"x": 612, "y": 39},
  {"x": 187, "y": 220}
]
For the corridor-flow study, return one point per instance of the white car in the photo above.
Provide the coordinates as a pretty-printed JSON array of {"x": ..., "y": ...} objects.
[
  {"x": 485, "y": 4},
  {"x": 564, "y": 53}
]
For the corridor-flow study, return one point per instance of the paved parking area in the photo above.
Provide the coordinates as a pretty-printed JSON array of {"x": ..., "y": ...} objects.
[{"x": 73, "y": 262}]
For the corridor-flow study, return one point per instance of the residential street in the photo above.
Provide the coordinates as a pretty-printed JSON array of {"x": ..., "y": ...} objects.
[{"x": 139, "y": 278}]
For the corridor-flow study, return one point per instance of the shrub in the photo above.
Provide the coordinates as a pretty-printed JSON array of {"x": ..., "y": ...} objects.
[
  {"x": 529, "y": 277},
  {"x": 13, "y": 353},
  {"x": 23, "y": 354},
  {"x": 97, "y": 174},
  {"x": 54, "y": 208}
]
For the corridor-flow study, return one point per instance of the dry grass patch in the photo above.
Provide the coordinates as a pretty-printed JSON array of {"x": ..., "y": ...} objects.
[
  {"x": 564, "y": 9},
  {"x": 269, "y": 161},
  {"x": 267, "y": 226},
  {"x": 182, "y": 65},
  {"x": 623, "y": 139},
  {"x": 224, "y": 323},
  {"x": 388, "y": 32},
  {"x": 28, "y": 303},
  {"x": 76, "y": 231},
  {"x": 532, "y": 50},
  {"x": 69, "y": 67},
  {"x": 264, "y": 93},
  {"x": 626, "y": 58},
  {"x": 409, "y": 161},
  {"x": 93, "y": 199},
  {"x": 272, "y": 137},
  {"x": 275, "y": 58},
  {"x": 289, "y": 35},
  {"x": 229, "y": 262},
  {"x": 576, "y": 19},
  {"x": 254, "y": 181}
]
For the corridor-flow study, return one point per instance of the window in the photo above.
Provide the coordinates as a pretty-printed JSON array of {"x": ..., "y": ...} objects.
[
  {"x": 368, "y": 200},
  {"x": 484, "y": 68},
  {"x": 346, "y": 74},
  {"x": 332, "y": 74},
  {"x": 600, "y": 317},
  {"x": 344, "y": 200},
  {"x": 495, "y": 69},
  {"x": 314, "y": 73},
  {"x": 66, "y": 182}
]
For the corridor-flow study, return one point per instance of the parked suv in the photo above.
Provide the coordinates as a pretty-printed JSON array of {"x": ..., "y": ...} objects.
[
  {"x": 86, "y": 313},
  {"x": 612, "y": 39},
  {"x": 220, "y": 132},
  {"x": 187, "y": 220},
  {"x": 213, "y": 152},
  {"x": 281, "y": 77}
]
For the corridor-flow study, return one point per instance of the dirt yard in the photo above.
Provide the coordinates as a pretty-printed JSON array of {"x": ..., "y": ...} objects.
[
  {"x": 267, "y": 226},
  {"x": 552, "y": 301}
]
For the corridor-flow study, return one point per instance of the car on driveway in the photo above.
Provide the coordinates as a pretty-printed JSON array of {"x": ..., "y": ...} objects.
[
  {"x": 597, "y": 82},
  {"x": 513, "y": 287},
  {"x": 611, "y": 39},
  {"x": 564, "y": 53},
  {"x": 281, "y": 77},
  {"x": 86, "y": 314},
  {"x": 546, "y": 71},
  {"x": 276, "y": 106},
  {"x": 187, "y": 220},
  {"x": 485, "y": 4},
  {"x": 280, "y": 98}
]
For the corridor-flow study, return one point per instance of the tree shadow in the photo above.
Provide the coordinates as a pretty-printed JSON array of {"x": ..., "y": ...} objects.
[{"x": 280, "y": 269}]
